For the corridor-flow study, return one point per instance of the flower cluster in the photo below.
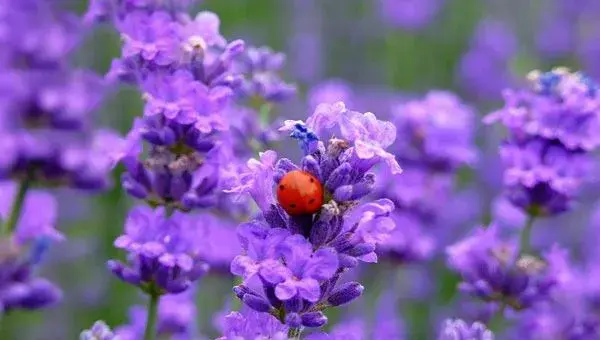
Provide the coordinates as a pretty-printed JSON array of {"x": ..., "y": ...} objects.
[
  {"x": 494, "y": 269},
  {"x": 551, "y": 132},
  {"x": 437, "y": 137},
  {"x": 163, "y": 251},
  {"x": 292, "y": 260},
  {"x": 46, "y": 126}
]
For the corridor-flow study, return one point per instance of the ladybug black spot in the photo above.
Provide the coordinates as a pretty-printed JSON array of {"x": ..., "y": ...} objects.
[
  {"x": 312, "y": 180},
  {"x": 293, "y": 205},
  {"x": 311, "y": 201},
  {"x": 281, "y": 187}
]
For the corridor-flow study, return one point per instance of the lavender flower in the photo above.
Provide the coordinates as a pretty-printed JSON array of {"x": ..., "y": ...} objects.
[
  {"x": 492, "y": 48},
  {"x": 460, "y": 330},
  {"x": 296, "y": 260},
  {"x": 493, "y": 269},
  {"x": 99, "y": 331},
  {"x": 262, "y": 66},
  {"x": 45, "y": 105},
  {"x": 163, "y": 252},
  {"x": 437, "y": 137},
  {"x": 24, "y": 249},
  {"x": 249, "y": 324},
  {"x": 437, "y": 131},
  {"x": 412, "y": 15},
  {"x": 546, "y": 155}
]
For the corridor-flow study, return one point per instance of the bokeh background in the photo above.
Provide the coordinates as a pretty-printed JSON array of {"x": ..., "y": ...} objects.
[{"x": 385, "y": 51}]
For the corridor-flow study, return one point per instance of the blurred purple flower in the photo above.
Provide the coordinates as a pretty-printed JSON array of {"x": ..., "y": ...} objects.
[
  {"x": 484, "y": 69},
  {"x": 163, "y": 252},
  {"x": 410, "y": 14},
  {"x": 38, "y": 217},
  {"x": 99, "y": 331},
  {"x": 546, "y": 156},
  {"x": 492, "y": 269},
  {"x": 437, "y": 131},
  {"x": 262, "y": 67},
  {"x": 459, "y": 330},
  {"x": 330, "y": 91}
]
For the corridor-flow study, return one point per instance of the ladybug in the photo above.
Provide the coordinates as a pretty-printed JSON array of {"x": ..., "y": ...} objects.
[{"x": 300, "y": 193}]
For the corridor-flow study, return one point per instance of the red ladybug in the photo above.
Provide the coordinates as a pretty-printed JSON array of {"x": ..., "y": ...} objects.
[{"x": 300, "y": 193}]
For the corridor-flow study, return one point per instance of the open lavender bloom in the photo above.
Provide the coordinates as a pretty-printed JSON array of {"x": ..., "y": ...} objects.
[
  {"x": 552, "y": 128},
  {"x": 460, "y": 330},
  {"x": 163, "y": 252},
  {"x": 249, "y": 324},
  {"x": 46, "y": 128},
  {"x": 292, "y": 262},
  {"x": 493, "y": 270},
  {"x": 99, "y": 331}
]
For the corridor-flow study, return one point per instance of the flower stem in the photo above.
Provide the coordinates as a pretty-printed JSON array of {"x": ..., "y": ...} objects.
[
  {"x": 150, "y": 332},
  {"x": 525, "y": 239},
  {"x": 10, "y": 224},
  {"x": 294, "y": 333},
  {"x": 496, "y": 321}
]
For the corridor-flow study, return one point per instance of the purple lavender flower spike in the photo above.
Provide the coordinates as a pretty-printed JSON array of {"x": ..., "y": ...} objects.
[
  {"x": 436, "y": 139},
  {"x": 262, "y": 67},
  {"x": 459, "y": 330},
  {"x": 99, "y": 331},
  {"x": 438, "y": 132},
  {"x": 492, "y": 48},
  {"x": 546, "y": 155},
  {"x": 163, "y": 252},
  {"x": 292, "y": 263},
  {"x": 493, "y": 269},
  {"x": 410, "y": 15},
  {"x": 46, "y": 105}
]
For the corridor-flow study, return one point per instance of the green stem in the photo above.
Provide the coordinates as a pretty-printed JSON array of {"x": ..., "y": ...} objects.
[
  {"x": 10, "y": 224},
  {"x": 294, "y": 333},
  {"x": 525, "y": 239},
  {"x": 497, "y": 320},
  {"x": 150, "y": 332}
]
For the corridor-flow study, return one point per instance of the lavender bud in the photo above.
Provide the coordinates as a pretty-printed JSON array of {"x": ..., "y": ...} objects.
[
  {"x": 293, "y": 320},
  {"x": 314, "y": 319},
  {"x": 345, "y": 293},
  {"x": 256, "y": 302}
]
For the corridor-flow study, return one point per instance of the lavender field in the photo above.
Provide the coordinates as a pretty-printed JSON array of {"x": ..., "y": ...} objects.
[{"x": 299, "y": 169}]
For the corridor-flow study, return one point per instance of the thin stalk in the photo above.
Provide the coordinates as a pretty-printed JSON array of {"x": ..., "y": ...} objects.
[
  {"x": 525, "y": 239},
  {"x": 150, "y": 332},
  {"x": 10, "y": 224}
]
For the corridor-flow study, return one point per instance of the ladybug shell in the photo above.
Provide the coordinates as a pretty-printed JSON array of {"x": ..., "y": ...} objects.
[{"x": 300, "y": 193}]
